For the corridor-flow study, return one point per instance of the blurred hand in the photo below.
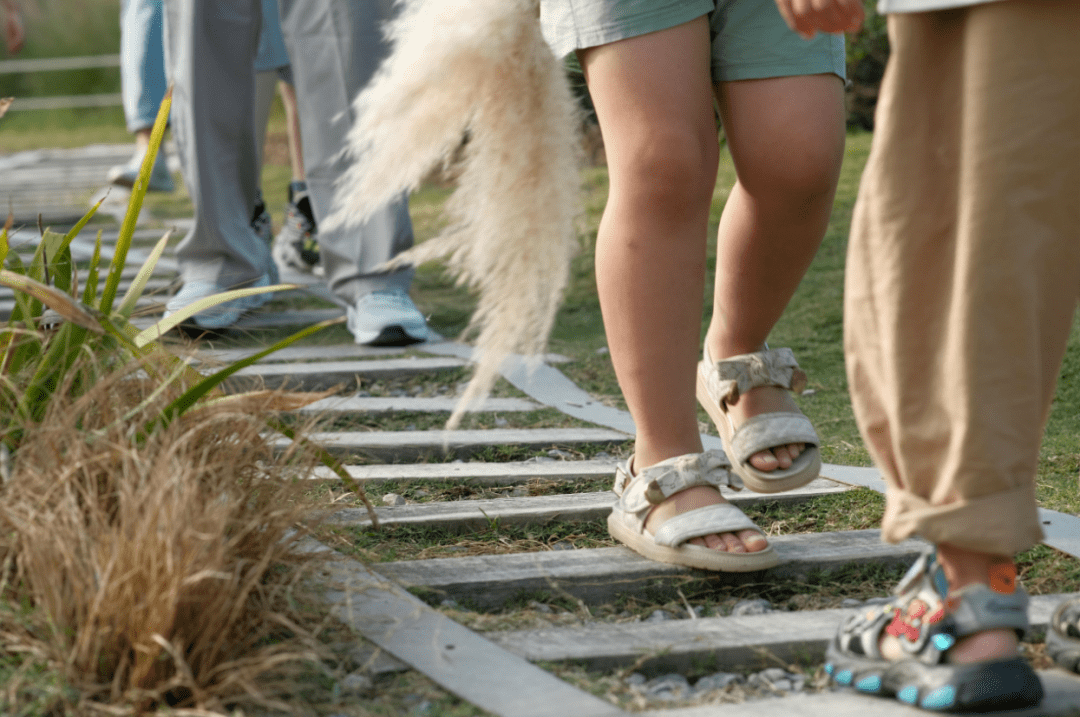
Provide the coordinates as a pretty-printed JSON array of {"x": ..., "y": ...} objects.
[
  {"x": 807, "y": 17},
  {"x": 14, "y": 32}
]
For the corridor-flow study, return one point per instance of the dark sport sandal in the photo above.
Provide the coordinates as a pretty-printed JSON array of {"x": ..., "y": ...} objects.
[
  {"x": 1063, "y": 637},
  {"x": 928, "y": 620}
]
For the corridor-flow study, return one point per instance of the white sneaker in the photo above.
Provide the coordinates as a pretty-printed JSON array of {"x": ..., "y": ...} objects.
[
  {"x": 216, "y": 317},
  {"x": 386, "y": 318},
  {"x": 124, "y": 175}
]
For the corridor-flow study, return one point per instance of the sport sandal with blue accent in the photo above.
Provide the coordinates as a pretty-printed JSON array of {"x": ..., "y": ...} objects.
[
  {"x": 721, "y": 383},
  {"x": 927, "y": 620},
  {"x": 637, "y": 495},
  {"x": 1063, "y": 637}
]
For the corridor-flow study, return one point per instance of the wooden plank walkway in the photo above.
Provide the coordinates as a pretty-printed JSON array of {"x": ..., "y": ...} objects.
[{"x": 497, "y": 670}]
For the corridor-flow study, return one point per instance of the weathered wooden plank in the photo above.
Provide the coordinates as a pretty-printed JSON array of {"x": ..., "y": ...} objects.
[
  {"x": 1062, "y": 700},
  {"x": 465, "y": 515},
  {"x": 409, "y": 404},
  {"x": 709, "y": 644},
  {"x": 454, "y": 657},
  {"x": 327, "y": 353},
  {"x": 476, "y": 471},
  {"x": 600, "y": 575},
  {"x": 328, "y": 374},
  {"x": 265, "y": 320},
  {"x": 391, "y": 446},
  {"x": 304, "y": 353}
]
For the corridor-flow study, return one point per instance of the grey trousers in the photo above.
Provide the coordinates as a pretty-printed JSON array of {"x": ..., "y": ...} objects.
[{"x": 335, "y": 47}]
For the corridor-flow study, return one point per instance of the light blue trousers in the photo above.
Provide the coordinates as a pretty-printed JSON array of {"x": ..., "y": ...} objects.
[{"x": 142, "y": 61}]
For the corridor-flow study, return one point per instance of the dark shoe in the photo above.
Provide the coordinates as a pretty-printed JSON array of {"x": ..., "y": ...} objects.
[
  {"x": 927, "y": 624},
  {"x": 297, "y": 244}
]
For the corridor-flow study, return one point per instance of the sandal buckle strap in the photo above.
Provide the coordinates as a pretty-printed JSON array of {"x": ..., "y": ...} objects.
[
  {"x": 773, "y": 367},
  {"x": 720, "y": 518},
  {"x": 657, "y": 483}
]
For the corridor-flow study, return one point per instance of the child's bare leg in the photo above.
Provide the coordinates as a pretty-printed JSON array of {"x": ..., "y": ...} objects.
[
  {"x": 292, "y": 129},
  {"x": 786, "y": 137},
  {"x": 660, "y": 138}
]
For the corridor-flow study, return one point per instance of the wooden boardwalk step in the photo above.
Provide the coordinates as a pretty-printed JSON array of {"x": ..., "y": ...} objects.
[
  {"x": 465, "y": 515},
  {"x": 476, "y": 471},
  {"x": 453, "y": 656},
  {"x": 398, "y": 446},
  {"x": 711, "y": 644},
  {"x": 323, "y": 375},
  {"x": 336, "y": 405},
  {"x": 303, "y": 353},
  {"x": 600, "y": 575},
  {"x": 1062, "y": 700}
]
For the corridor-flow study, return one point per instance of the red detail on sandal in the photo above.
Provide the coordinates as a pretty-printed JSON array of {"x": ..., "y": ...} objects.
[{"x": 1003, "y": 578}]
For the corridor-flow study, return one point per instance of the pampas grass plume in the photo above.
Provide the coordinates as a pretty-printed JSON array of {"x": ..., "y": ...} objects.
[{"x": 478, "y": 69}]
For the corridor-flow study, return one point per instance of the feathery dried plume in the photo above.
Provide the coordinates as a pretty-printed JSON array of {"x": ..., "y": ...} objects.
[{"x": 478, "y": 69}]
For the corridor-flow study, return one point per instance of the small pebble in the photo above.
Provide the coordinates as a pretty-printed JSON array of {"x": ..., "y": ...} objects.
[
  {"x": 667, "y": 687},
  {"x": 397, "y": 393},
  {"x": 759, "y": 606},
  {"x": 423, "y": 708},
  {"x": 635, "y": 679},
  {"x": 809, "y": 392},
  {"x": 602, "y": 456},
  {"x": 356, "y": 684},
  {"x": 363, "y": 394},
  {"x": 851, "y": 602},
  {"x": 717, "y": 681},
  {"x": 602, "y": 350},
  {"x": 556, "y": 453},
  {"x": 542, "y": 459},
  {"x": 659, "y": 616},
  {"x": 519, "y": 492},
  {"x": 540, "y": 607},
  {"x": 774, "y": 673},
  {"x": 449, "y": 603},
  {"x": 420, "y": 493},
  {"x": 410, "y": 427},
  {"x": 562, "y": 545},
  {"x": 393, "y": 499},
  {"x": 500, "y": 422},
  {"x": 417, "y": 390},
  {"x": 782, "y": 685}
]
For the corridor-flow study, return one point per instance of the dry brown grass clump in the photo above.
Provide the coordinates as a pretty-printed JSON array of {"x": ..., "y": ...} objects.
[
  {"x": 152, "y": 570},
  {"x": 481, "y": 69}
]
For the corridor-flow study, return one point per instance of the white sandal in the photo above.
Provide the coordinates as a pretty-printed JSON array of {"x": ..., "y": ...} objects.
[
  {"x": 639, "y": 494},
  {"x": 720, "y": 384}
]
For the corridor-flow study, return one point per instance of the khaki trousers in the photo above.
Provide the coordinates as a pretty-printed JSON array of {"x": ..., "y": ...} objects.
[{"x": 964, "y": 266}]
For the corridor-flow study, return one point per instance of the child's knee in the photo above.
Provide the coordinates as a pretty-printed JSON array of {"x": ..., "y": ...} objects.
[{"x": 672, "y": 171}]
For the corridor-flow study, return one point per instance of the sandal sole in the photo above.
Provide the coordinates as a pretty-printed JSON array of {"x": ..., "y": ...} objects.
[
  {"x": 992, "y": 686},
  {"x": 692, "y": 556}
]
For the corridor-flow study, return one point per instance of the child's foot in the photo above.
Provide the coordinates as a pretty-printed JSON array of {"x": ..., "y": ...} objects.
[
  {"x": 771, "y": 444},
  {"x": 672, "y": 511},
  {"x": 951, "y": 653}
]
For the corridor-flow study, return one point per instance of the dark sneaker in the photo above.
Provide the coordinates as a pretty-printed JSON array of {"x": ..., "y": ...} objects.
[{"x": 297, "y": 244}]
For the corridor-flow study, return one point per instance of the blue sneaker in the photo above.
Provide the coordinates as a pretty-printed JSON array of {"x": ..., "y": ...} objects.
[
  {"x": 386, "y": 318},
  {"x": 216, "y": 317}
]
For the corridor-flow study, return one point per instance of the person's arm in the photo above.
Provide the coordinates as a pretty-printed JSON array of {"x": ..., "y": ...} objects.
[
  {"x": 807, "y": 17},
  {"x": 14, "y": 30}
]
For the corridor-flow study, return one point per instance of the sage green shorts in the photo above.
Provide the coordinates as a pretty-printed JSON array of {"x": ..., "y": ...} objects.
[{"x": 750, "y": 39}]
